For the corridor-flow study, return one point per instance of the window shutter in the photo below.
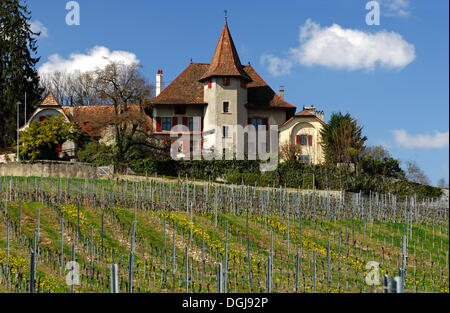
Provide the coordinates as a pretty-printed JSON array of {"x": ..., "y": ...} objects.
[
  {"x": 185, "y": 146},
  {"x": 158, "y": 124},
  {"x": 249, "y": 121},
  {"x": 309, "y": 140},
  {"x": 185, "y": 121},
  {"x": 174, "y": 121},
  {"x": 297, "y": 139},
  {"x": 209, "y": 84}
]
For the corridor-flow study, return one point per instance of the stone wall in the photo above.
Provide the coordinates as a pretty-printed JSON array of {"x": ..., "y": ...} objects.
[{"x": 49, "y": 169}]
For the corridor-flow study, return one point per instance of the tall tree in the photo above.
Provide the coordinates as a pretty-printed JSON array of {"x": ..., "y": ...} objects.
[
  {"x": 124, "y": 87},
  {"x": 342, "y": 140},
  {"x": 18, "y": 61}
]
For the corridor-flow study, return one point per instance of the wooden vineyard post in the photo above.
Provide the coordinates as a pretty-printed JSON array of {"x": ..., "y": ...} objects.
[
  {"x": 72, "y": 286},
  {"x": 248, "y": 257},
  {"x": 297, "y": 272},
  {"x": 187, "y": 269},
  {"x": 131, "y": 259},
  {"x": 225, "y": 274},
  {"x": 203, "y": 255},
  {"x": 269, "y": 274},
  {"x": 61, "y": 255},
  {"x": 114, "y": 278},
  {"x": 173, "y": 261},
  {"x": 33, "y": 267},
  {"x": 20, "y": 217},
  {"x": 92, "y": 258},
  {"x": 315, "y": 270},
  {"x": 219, "y": 278}
]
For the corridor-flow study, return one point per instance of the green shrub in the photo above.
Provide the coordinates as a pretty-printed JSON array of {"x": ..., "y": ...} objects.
[{"x": 96, "y": 153}]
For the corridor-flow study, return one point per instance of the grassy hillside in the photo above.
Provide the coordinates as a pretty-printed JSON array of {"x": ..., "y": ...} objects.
[{"x": 315, "y": 243}]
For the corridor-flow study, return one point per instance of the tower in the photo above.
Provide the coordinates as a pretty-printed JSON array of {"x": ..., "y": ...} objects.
[{"x": 225, "y": 91}]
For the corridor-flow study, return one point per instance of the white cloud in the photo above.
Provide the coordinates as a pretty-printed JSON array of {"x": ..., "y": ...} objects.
[
  {"x": 96, "y": 57},
  {"x": 38, "y": 27},
  {"x": 340, "y": 48},
  {"x": 276, "y": 65},
  {"x": 426, "y": 141},
  {"x": 396, "y": 8}
]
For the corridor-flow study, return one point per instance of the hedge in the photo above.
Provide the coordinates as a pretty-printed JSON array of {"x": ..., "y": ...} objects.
[{"x": 292, "y": 174}]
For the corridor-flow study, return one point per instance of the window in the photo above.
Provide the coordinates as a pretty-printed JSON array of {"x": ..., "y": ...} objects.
[
  {"x": 226, "y": 107},
  {"x": 226, "y": 81},
  {"x": 166, "y": 123},
  {"x": 243, "y": 84},
  {"x": 256, "y": 122},
  {"x": 303, "y": 140},
  {"x": 225, "y": 131},
  {"x": 180, "y": 110},
  {"x": 191, "y": 124}
]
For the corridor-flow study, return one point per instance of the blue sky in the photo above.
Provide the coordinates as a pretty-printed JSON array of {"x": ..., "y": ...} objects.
[{"x": 394, "y": 79}]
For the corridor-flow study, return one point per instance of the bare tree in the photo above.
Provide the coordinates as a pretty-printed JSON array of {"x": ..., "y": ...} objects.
[
  {"x": 74, "y": 88},
  {"x": 290, "y": 151},
  {"x": 58, "y": 84},
  {"x": 414, "y": 173},
  {"x": 125, "y": 88},
  {"x": 442, "y": 183}
]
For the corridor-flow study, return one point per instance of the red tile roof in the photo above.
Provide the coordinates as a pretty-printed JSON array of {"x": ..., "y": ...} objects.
[
  {"x": 94, "y": 119},
  {"x": 260, "y": 95},
  {"x": 304, "y": 114},
  {"x": 225, "y": 61},
  {"x": 186, "y": 89},
  {"x": 49, "y": 101}
]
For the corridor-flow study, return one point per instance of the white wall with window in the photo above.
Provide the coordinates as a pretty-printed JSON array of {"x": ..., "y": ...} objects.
[{"x": 304, "y": 132}]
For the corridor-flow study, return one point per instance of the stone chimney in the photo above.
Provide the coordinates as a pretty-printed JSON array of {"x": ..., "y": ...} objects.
[
  {"x": 312, "y": 109},
  {"x": 282, "y": 92},
  {"x": 159, "y": 82}
]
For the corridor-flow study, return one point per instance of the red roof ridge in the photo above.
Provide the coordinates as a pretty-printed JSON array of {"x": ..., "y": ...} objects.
[
  {"x": 304, "y": 115},
  {"x": 165, "y": 89},
  {"x": 225, "y": 63}
]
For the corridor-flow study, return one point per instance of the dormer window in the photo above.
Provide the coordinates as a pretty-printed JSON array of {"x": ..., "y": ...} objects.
[{"x": 226, "y": 81}]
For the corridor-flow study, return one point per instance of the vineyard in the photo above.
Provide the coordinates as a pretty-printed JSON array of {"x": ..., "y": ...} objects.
[{"x": 177, "y": 236}]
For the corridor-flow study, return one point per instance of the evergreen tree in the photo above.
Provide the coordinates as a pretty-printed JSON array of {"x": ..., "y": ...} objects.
[
  {"x": 342, "y": 140},
  {"x": 18, "y": 73}
]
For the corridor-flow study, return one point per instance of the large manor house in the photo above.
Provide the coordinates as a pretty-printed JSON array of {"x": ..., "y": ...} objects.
[{"x": 209, "y": 99}]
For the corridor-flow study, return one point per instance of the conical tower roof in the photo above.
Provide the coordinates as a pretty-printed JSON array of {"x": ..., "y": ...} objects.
[{"x": 226, "y": 60}]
